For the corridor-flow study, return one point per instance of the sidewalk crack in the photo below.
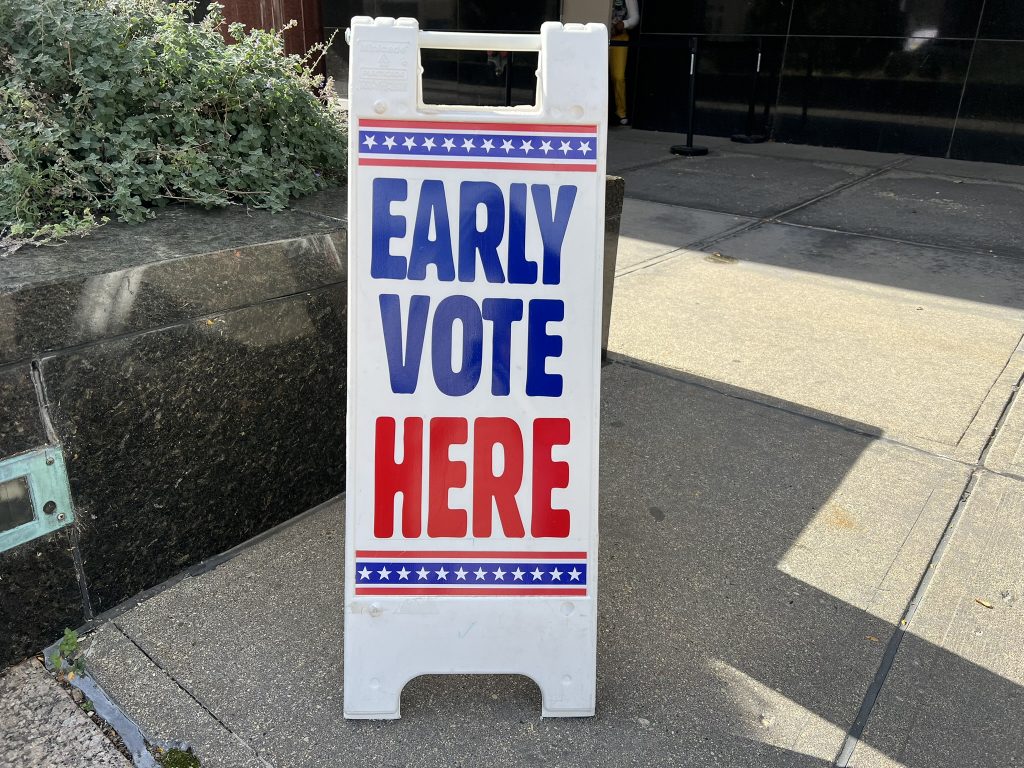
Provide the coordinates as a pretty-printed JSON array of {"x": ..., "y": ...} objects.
[{"x": 199, "y": 703}]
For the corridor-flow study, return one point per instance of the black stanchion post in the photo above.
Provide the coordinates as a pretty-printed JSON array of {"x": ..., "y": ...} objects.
[
  {"x": 687, "y": 149},
  {"x": 750, "y": 137}
]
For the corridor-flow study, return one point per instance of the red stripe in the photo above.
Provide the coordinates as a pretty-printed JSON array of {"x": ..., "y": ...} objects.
[
  {"x": 406, "y": 553},
  {"x": 501, "y": 166},
  {"x": 507, "y": 127},
  {"x": 497, "y": 592}
]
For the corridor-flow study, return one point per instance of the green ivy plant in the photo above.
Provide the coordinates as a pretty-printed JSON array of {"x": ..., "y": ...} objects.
[{"x": 109, "y": 108}]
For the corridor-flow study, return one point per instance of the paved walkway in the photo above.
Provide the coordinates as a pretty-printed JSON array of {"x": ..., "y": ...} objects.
[{"x": 811, "y": 503}]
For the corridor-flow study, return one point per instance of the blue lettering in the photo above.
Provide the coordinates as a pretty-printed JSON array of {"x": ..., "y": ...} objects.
[
  {"x": 385, "y": 225},
  {"x": 502, "y": 313},
  {"x": 520, "y": 269},
  {"x": 540, "y": 346},
  {"x": 466, "y": 311},
  {"x": 553, "y": 226},
  {"x": 438, "y": 251},
  {"x": 473, "y": 194},
  {"x": 404, "y": 368}
]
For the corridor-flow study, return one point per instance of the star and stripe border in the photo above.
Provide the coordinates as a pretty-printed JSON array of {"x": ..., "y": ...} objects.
[
  {"x": 486, "y": 145},
  {"x": 493, "y": 574}
]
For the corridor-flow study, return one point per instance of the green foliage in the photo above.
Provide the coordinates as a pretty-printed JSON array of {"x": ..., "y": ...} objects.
[
  {"x": 68, "y": 659},
  {"x": 176, "y": 758},
  {"x": 111, "y": 107}
]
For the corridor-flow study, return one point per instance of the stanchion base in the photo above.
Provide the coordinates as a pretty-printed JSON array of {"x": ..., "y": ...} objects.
[
  {"x": 742, "y": 138},
  {"x": 685, "y": 151}
]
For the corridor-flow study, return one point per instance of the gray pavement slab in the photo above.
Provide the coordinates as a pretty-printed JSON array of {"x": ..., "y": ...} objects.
[
  {"x": 41, "y": 727},
  {"x": 748, "y": 185},
  {"x": 955, "y": 695},
  {"x": 160, "y": 706},
  {"x": 976, "y": 214},
  {"x": 923, "y": 369},
  {"x": 753, "y": 565},
  {"x": 649, "y": 230},
  {"x": 983, "y": 278}
]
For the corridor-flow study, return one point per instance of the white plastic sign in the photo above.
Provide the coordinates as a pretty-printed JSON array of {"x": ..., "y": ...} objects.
[{"x": 475, "y": 263}]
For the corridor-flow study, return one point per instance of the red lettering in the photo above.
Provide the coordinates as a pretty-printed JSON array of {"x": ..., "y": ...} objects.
[
  {"x": 548, "y": 474},
  {"x": 502, "y": 488},
  {"x": 446, "y": 474},
  {"x": 393, "y": 478}
]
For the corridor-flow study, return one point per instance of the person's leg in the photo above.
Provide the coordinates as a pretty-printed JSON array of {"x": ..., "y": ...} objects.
[{"x": 617, "y": 67}]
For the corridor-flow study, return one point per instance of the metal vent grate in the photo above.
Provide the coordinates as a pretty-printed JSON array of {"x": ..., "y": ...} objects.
[{"x": 34, "y": 496}]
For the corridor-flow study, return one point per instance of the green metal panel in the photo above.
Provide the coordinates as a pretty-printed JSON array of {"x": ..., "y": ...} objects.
[{"x": 49, "y": 497}]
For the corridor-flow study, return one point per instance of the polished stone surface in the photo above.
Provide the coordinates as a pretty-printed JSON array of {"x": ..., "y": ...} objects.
[
  {"x": 185, "y": 263},
  {"x": 21, "y": 428},
  {"x": 182, "y": 443},
  {"x": 39, "y": 596},
  {"x": 174, "y": 232},
  {"x": 881, "y": 75},
  {"x": 80, "y": 310},
  {"x": 989, "y": 127}
]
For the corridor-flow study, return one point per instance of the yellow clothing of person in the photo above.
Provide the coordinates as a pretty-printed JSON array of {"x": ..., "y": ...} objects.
[
  {"x": 624, "y": 16},
  {"x": 617, "y": 68}
]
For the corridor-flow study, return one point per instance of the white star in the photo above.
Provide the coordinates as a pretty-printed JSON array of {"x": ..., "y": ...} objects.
[
  {"x": 574, "y": 575},
  {"x": 441, "y": 573},
  {"x": 429, "y": 143},
  {"x": 384, "y": 573},
  {"x": 488, "y": 145},
  {"x": 409, "y": 142},
  {"x": 422, "y": 573},
  {"x": 479, "y": 573},
  {"x": 545, "y": 146},
  {"x": 564, "y": 148},
  {"x": 468, "y": 144},
  {"x": 536, "y": 573},
  {"x": 403, "y": 574},
  {"x": 556, "y": 575},
  {"x": 507, "y": 146},
  {"x": 499, "y": 575},
  {"x": 369, "y": 141},
  {"x": 448, "y": 144},
  {"x": 526, "y": 146},
  {"x": 461, "y": 573},
  {"x": 389, "y": 142},
  {"x": 517, "y": 574},
  {"x": 365, "y": 573},
  {"x": 584, "y": 147}
]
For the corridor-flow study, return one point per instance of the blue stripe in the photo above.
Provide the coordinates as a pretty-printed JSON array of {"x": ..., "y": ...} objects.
[
  {"x": 504, "y": 145},
  {"x": 447, "y": 573}
]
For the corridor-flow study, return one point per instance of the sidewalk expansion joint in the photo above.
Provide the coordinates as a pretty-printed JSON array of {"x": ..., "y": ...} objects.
[
  {"x": 839, "y": 188},
  {"x": 1003, "y": 415},
  {"x": 856, "y": 731},
  {"x": 198, "y": 702}
]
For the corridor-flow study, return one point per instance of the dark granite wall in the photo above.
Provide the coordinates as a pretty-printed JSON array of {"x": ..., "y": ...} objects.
[
  {"x": 193, "y": 370},
  {"x": 930, "y": 77}
]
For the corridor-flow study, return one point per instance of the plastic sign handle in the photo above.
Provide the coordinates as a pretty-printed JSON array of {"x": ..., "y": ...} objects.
[{"x": 477, "y": 41}]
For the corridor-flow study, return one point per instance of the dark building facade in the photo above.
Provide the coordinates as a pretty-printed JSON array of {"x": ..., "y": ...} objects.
[{"x": 931, "y": 77}]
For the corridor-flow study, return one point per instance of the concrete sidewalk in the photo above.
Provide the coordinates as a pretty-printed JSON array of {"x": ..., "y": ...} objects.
[{"x": 812, "y": 487}]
